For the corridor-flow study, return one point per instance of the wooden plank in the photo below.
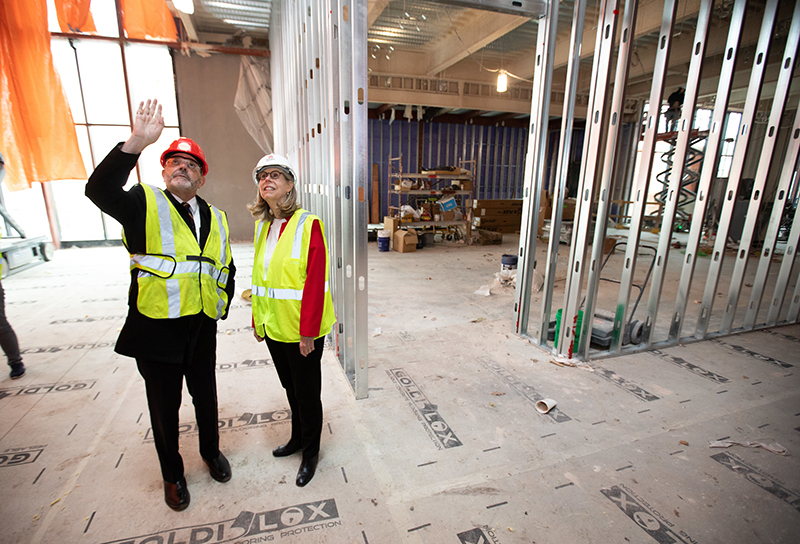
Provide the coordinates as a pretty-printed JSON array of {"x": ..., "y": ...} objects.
[{"x": 375, "y": 205}]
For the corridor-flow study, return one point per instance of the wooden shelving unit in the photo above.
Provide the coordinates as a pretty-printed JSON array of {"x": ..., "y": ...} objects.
[{"x": 431, "y": 185}]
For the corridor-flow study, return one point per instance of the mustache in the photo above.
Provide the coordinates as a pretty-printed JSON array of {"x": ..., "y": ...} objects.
[{"x": 181, "y": 172}]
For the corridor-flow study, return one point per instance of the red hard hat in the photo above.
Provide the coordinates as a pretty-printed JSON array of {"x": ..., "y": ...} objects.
[{"x": 188, "y": 146}]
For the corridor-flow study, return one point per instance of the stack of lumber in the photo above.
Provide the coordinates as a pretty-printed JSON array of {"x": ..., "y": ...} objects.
[{"x": 497, "y": 215}]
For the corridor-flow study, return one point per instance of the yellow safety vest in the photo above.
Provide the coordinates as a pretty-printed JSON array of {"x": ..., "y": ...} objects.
[
  {"x": 175, "y": 278},
  {"x": 277, "y": 298}
]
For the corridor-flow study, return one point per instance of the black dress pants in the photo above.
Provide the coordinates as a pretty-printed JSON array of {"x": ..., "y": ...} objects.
[
  {"x": 301, "y": 377},
  {"x": 164, "y": 384},
  {"x": 8, "y": 339}
]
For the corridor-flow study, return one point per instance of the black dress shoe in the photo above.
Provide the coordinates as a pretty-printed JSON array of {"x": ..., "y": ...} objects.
[
  {"x": 219, "y": 468},
  {"x": 177, "y": 495},
  {"x": 307, "y": 469},
  {"x": 286, "y": 449},
  {"x": 17, "y": 371}
]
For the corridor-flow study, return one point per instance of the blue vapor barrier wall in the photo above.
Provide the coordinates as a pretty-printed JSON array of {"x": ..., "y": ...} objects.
[
  {"x": 498, "y": 152},
  {"x": 551, "y": 169},
  {"x": 620, "y": 186}
]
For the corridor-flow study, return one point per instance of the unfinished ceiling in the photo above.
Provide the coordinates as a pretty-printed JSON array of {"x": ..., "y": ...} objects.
[{"x": 445, "y": 56}]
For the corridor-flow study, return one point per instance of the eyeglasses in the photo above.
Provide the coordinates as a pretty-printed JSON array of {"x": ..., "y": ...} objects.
[
  {"x": 175, "y": 162},
  {"x": 274, "y": 175}
]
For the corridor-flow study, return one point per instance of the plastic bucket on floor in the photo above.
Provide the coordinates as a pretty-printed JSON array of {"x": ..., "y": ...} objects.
[
  {"x": 508, "y": 262},
  {"x": 383, "y": 240}
]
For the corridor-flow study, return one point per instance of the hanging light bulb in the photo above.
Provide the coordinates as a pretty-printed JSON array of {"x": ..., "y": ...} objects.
[
  {"x": 502, "y": 82},
  {"x": 186, "y": 6},
  {"x": 389, "y": 53},
  {"x": 375, "y": 51}
]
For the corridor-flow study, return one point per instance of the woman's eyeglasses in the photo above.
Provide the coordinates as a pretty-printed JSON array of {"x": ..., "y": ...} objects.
[{"x": 274, "y": 175}]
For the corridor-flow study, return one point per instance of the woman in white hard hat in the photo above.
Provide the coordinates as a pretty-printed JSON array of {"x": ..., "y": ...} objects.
[{"x": 292, "y": 305}]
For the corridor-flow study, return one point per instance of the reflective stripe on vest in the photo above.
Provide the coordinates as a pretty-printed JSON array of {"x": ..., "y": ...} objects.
[
  {"x": 284, "y": 294},
  {"x": 297, "y": 251},
  {"x": 169, "y": 267},
  {"x": 277, "y": 292},
  {"x": 297, "y": 246},
  {"x": 223, "y": 258},
  {"x": 181, "y": 271},
  {"x": 168, "y": 247}
]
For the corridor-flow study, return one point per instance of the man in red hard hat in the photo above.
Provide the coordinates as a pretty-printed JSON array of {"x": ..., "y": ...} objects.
[{"x": 181, "y": 284}]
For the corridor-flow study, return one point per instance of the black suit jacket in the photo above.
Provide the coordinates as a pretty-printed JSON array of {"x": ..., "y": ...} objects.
[{"x": 158, "y": 340}]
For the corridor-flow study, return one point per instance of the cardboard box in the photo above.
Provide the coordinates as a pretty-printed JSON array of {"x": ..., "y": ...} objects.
[
  {"x": 447, "y": 216},
  {"x": 499, "y": 212},
  {"x": 568, "y": 214},
  {"x": 545, "y": 212},
  {"x": 489, "y": 238},
  {"x": 608, "y": 246},
  {"x": 508, "y": 229},
  {"x": 447, "y": 203},
  {"x": 391, "y": 224},
  {"x": 498, "y": 203},
  {"x": 428, "y": 210},
  {"x": 495, "y": 221},
  {"x": 405, "y": 241},
  {"x": 463, "y": 184}
]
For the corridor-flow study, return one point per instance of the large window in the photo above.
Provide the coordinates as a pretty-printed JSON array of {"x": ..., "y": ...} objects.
[
  {"x": 728, "y": 144},
  {"x": 97, "y": 89}
]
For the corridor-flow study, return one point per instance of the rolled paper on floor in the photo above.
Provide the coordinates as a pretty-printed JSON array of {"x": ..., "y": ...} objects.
[{"x": 545, "y": 405}]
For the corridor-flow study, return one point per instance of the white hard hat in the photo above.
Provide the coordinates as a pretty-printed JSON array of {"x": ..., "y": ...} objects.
[{"x": 275, "y": 161}]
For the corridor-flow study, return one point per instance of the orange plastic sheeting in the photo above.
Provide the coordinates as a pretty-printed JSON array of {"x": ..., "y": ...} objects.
[
  {"x": 74, "y": 16},
  {"x": 37, "y": 134},
  {"x": 148, "y": 20}
]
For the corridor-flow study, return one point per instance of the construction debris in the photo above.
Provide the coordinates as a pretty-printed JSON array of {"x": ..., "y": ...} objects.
[
  {"x": 773, "y": 447},
  {"x": 575, "y": 363}
]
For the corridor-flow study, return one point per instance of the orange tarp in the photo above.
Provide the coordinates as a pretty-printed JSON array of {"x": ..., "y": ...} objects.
[
  {"x": 74, "y": 16},
  {"x": 37, "y": 134},
  {"x": 148, "y": 20}
]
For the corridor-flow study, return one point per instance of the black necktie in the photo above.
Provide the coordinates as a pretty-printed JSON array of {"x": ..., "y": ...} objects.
[{"x": 191, "y": 219}]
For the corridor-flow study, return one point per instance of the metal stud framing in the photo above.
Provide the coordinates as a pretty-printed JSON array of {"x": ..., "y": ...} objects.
[
  {"x": 534, "y": 162},
  {"x": 562, "y": 164},
  {"x": 764, "y": 163},
  {"x": 676, "y": 175},
  {"x": 709, "y": 169},
  {"x": 645, "y": 170},
  {"x": 319, "y": 84},
  {"x": 774, "y": 298},
  {"x": 739, "y": 154},
  {"x": 595, "y": 123},
  {"x": 613, "y": 140},
  {"x": 784, "y": 185},
  {"x": 788, "y": 173}
]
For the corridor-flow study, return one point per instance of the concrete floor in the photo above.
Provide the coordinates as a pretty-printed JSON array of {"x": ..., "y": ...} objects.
[{"x": 448, "y": 448}]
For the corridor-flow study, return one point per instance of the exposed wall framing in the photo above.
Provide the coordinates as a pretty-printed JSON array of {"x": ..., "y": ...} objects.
[
  {"x": 319, "y": 84},
  {"x": 695, "y": 205}
]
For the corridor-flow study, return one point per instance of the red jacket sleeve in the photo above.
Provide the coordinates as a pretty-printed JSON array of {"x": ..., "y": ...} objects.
[{"x": 314, "y": 290}]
